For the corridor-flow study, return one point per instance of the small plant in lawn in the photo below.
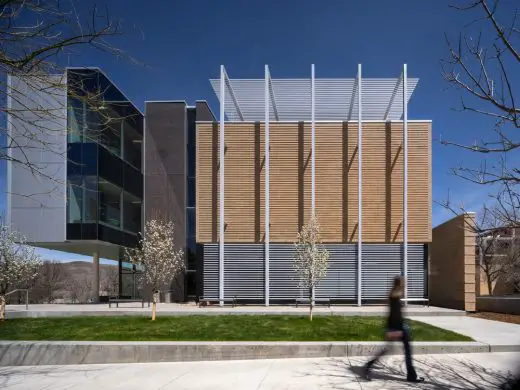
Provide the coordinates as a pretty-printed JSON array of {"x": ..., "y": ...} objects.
[
  {"x": 157, "y": 255},
  {"x": 310, "y": 259}
]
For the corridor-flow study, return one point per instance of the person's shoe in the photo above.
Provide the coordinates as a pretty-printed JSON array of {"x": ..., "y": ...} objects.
[{"x": 415, "y": 380}]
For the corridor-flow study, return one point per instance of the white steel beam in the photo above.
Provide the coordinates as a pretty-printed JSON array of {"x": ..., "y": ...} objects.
[
  {"x": 271, "y": 96},
  {"x": 266, "y": 167},
  {"x": 221, "y": 186},
  {"x": 405, "y": 197},
  {"x": 392, "y": 98},
  {"x": 233, "y": 96},
  {"x": 360, "y": 188},
  {"x": 313, "y": 157}
]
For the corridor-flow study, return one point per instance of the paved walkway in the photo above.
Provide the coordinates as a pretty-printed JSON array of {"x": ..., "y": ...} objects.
[
  {"x": 484, "y": 331},
  {"x": 472, "y": 371},
  {"x": 190, "y": 309}
]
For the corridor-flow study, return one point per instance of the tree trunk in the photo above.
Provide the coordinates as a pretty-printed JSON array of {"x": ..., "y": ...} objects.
[
  {"x": 2, "y": 307},
  {"x": 311, "y": 303},
  {"x": 155, "y": 298},
  {"x": 490, "y": 285}
]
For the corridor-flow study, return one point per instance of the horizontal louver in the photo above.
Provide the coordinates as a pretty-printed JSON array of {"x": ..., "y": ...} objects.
[{"x": 244, "y": 271}]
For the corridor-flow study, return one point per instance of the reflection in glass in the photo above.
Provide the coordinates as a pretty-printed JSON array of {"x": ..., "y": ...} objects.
[
  {"x": 75, "y": 120},
  {"x": 131, "y": 213},
  {"x": 75, "y": 200},
  {"x": 109, "y": 204}
]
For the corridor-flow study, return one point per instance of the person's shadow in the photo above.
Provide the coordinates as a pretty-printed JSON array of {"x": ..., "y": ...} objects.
[{"x": 439, "y": 374}]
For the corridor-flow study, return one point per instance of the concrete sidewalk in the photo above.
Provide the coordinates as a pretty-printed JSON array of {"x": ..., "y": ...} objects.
[
  {"x": 502, "y": 336},
  {"x": 172, "y": 309},
  {"x": 480, "y": 371}
]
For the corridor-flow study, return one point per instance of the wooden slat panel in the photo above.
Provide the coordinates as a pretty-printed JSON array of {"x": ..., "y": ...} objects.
[
  {"x": 289, "y": 154},
  {"x": 336, "y": 181}
]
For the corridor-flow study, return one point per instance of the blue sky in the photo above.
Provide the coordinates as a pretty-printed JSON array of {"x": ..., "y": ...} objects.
[{"x": 181, "y": 44}]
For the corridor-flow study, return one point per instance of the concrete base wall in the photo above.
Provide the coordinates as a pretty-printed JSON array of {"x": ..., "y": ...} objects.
[
  {"x": 504, "y": 304},
  {"x": 25, "y": 353},
  {"x": 451, "y": 280}
]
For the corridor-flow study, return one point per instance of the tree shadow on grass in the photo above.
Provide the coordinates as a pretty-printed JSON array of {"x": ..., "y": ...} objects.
[{"x": 439, "y": 374}]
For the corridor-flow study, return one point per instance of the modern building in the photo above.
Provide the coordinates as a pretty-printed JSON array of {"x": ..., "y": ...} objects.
[
  {"x": 75, "y": 179},
  {"x": 240, "y": 187},
  {"x": 286, "y": 148}
]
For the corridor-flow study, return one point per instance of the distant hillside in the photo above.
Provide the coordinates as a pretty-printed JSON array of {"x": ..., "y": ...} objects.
[{"x": 87, "y": 269}]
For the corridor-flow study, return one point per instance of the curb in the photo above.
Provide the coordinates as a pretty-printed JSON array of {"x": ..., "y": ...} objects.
[
  {"x": 29, "y": 353},
  {"x": 215, "y": 312}
]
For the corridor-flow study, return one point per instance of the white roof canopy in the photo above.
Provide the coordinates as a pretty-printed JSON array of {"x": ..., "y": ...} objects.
[{"x": 335, "y": 99}]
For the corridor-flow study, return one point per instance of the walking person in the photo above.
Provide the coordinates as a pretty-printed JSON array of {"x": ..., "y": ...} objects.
[{"x": 396, "y": 330}]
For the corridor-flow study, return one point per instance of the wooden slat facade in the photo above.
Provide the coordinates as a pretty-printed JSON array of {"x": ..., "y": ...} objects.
[{"x": 336, "y": 181}]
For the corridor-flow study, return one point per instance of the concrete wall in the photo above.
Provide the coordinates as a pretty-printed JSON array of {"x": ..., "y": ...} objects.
[
  {"x": 37, "y": 164},
  {"x": 503, "y": 304},
  {"x": 452, "y": 264}
]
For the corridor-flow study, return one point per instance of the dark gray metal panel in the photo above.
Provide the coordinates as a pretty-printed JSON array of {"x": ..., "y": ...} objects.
[
  {"x": 283, "y": 281},
  {"x": 210, "y": 271},
  {"x": 340, "y": 282},
  {"x": 204, "y": 112},
  {"x": 381, "y": 263},
  {"x": 165, "y": 169},
  {"x": 244, "y": 271}
]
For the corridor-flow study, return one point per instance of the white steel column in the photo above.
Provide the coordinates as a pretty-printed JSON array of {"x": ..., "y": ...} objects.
[
  {"x": 313, "y": 145},
  {"x": 266, "y": 167},
  {"x": 313, "y": 158},
  {"x": 405, "y": 196},
  {"x": 360, "y": 190},
  {"x": 95, "y": 282},
  {"x": 221, "y": 187}
]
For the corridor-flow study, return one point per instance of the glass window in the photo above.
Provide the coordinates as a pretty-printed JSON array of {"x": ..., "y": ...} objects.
[
  {"x": 191, "y": 161},
  {"x": 131, "y": 213},
  {"x": 91, "y": 199},
  {"x": 82, "y": 199},
  {"x": 75, "y": 200},
  {"x": 75, "y": 121},
  {"x": 109, "y": 204},
  {"x": 190, "y": 211},
  {"x": 191, "y": 192},
  {"x": 132, "y": 142},
  {"x": 110, "y": 135}
]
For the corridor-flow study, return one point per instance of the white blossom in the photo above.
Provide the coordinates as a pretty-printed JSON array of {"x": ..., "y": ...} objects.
[
  {"x": 310, "y": 258},
  {"x": 157, "y": 256},
  {"x": 19, "y": 263}
]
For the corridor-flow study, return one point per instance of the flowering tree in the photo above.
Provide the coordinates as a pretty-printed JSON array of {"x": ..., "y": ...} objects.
[
  {"x": 157, "y": 256},
  {"x": 310, "y": 259},
  {"x": 19, "y": 264}
]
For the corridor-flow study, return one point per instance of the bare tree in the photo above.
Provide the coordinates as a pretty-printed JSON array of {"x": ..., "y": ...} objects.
[
  {"x": 79, "y": 288},
  {"x": 51, "y": 279},
  {"x": 37, "y": 38},
  {"x": 110, "y": 283},
  {"x": 19, "y": 263},
  {"x": 160, "y": 260},
  {"x": 484, "y": 65},
  {"x": 310, "y": 259},
  {"x": 497, "y": 245}
]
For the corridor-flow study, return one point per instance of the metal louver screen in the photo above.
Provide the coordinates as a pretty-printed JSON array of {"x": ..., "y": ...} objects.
[{"x": 244, "y": 271}]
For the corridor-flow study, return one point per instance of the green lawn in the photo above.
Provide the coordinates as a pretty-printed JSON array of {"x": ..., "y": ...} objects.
[{"x": 213, "y": 328}]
